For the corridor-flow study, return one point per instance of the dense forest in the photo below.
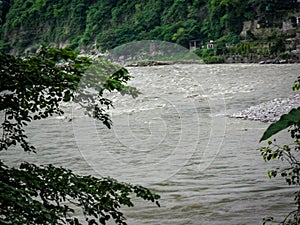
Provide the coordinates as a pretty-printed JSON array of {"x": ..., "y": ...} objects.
[{"x": 105, "y": 24}]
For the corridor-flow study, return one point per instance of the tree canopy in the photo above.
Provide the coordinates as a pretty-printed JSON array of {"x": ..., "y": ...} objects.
[
  {"x": 33, "y": 88},
  {"x": 107, "y": 24}
]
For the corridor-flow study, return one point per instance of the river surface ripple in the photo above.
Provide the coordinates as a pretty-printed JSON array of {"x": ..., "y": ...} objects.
[{"x": 177, "y": 139}]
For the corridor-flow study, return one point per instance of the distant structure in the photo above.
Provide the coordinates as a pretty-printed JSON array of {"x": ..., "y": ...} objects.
[
  {"x": 195, "y": 44},
  {"x": 210, "y": 44}
]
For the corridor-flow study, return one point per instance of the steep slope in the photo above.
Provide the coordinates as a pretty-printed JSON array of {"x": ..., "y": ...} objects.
[{"x": 106, "y": 24}]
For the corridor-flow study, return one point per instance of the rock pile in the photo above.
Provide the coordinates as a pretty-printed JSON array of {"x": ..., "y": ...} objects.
[{"x": 269, "y": 111}]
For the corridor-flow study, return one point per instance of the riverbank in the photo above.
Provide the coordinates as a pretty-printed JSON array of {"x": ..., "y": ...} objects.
[
  {"x": 283, "y": 58},
  {"x": 161, "y": 63},
  {"x": 293, "y": 58},
  {"x": 219, "y": 60},
  {"x": 269, "y": 111}
]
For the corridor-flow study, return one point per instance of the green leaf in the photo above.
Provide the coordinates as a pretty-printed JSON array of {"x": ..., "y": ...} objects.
[
  {"x": 33, "y": 194},
  {"x": 285, "y": 121}
]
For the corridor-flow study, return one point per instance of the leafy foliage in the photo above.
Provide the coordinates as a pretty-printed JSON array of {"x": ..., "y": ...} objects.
[
  {"x": 285, "y": 121},
  {"x": 106, "y": 24},
  {"x": 49, "y": 195},
  {"x": 33, "y": 88},
  {"x": 291, "y": 172},
  {"x": 213, "y": 59},
  {"x": 296, "y": 85},
  {"x": 288, "y": 153}
]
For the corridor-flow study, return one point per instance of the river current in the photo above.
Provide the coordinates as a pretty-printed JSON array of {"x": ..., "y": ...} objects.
[{"x": 176, "y": 138}]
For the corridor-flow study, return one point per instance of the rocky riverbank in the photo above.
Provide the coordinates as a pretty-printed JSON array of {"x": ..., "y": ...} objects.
[
  {"x": 161, "y": 63},
  {"x": 262, "y": 60},
  {"x": 269, "y": 111},
  {"x": 218, "y": 59}
]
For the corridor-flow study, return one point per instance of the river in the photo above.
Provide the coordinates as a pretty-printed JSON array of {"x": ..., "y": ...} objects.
[{"x": 176, "y": 138}]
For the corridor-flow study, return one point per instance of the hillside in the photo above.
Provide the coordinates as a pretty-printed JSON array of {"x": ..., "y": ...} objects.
[{"x": 105, "y": 24}]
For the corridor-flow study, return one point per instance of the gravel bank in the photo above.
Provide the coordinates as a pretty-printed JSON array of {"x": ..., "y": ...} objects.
[{"x": 269, "y": 111}]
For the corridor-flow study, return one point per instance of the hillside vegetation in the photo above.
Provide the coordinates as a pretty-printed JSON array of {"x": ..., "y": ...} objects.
[{"x": 105, "y": 24}]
